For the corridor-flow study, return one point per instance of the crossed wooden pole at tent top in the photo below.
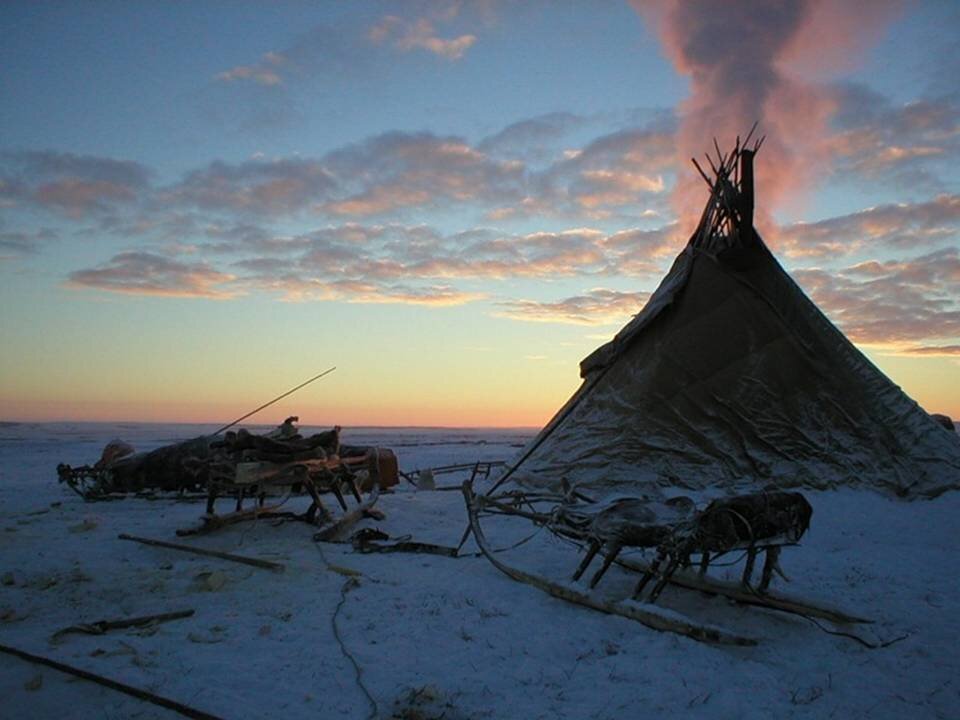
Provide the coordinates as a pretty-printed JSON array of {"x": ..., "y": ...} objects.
[{"x": 729, "y": 211}]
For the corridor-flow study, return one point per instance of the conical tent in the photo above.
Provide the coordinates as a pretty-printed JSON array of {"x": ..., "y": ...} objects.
[{"x": 730, "y": 378}]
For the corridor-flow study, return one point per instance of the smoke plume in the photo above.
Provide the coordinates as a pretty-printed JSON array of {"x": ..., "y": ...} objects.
[{"x": 762, "y": 61}]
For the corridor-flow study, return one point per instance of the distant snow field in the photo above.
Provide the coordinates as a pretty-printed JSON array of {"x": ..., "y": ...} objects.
[{"x": 440, "y": 637}]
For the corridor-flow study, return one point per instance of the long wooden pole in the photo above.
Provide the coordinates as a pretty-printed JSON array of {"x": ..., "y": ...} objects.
[
  {"x": 149, "y": 697},
  {"x": 102, "y": 626},
  {"x": 255, "y": 562},
  {"x": 276, "y": 399}
]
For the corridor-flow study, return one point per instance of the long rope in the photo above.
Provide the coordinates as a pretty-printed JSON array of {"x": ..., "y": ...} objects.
[
  {"x": 276, "y": 399},
  {"x": 349, "y": 584}
]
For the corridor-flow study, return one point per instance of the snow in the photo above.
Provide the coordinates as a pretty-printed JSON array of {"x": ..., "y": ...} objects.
[{"x": 439, "y": 636}]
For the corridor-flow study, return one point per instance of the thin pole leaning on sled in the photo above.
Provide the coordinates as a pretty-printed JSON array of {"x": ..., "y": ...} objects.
[{"x": 276, "y": 399}]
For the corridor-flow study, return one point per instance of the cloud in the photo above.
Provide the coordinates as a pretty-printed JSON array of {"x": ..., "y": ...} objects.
[
  {"x": 623, "y": 171},
  {"x": 632, "y": 160},
  {"x": 893, "y": 225},
  {"x": 934, "y": 350},
  {"x": 367, "y": 263},
  {"x": 381, "y": 199},
  {"x": 266, "y": 72},
  {"x": 432, "y": 295},
  {"x": 393, "y": 252},
  {"x": 18, "y": 243},
  {"x": 603, "y": 188},
  {"x": 143, "y": 273},
  {"x": 244, "y": 236},
  {"x": 390, "y": 253},
  {"x": 420, "y": 34},
  {"x": 332, "y": 264},
  {"x": 300, "y": 288},
  {"x": 533, "y": 138},
  {"x": 909, "y": 145},
  {"x": 372, "y": 263},
  {"x": 540, "y": 254},
  {"x": 397, "y": 170},
  {"x": 386, "y": 175},
  {"x": 261, "y": 92},
  {"x": 269, "y": 187},
  {"x": 38, "y": 165},
  {"x": 70, "y": 184},
  {"x": 336, "y": 50},
  {"x": 321, "y": 52},
  {"x": 596, "y": 307},
  {"x": 625, "y": 175},
  {"x": 167, "y": 225},
  {"x": 896, "y": 301},
  {"x": 906, "y": 303},
  {"x": 648, "y": 148},
  {"x": 77, "y": 197}
]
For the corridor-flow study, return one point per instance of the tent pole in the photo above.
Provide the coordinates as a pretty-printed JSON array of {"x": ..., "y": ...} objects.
[
  {"x": 548, "y": 431},
  {"x": 746, "y": 194}
]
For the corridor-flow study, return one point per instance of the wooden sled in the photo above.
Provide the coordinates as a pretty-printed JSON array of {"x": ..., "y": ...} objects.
[
  {"x": 317, "y": 476},
  {"x": 646, "y": 613}
]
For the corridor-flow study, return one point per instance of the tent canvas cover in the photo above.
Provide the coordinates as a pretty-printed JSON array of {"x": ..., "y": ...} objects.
[{"x": 730, "y": 377}]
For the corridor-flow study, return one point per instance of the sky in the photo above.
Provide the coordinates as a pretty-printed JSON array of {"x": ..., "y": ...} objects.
[{"x": 204, "y": 204}]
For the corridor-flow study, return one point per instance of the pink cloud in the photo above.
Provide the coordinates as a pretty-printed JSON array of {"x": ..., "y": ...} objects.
[
  {"x": 894, "y": 225},
  {"x": 599, "y": 306},
  {"x": 395, "y": 171},
  {"x": 902, "y": 144},
  {"x": 74, "y": 185},
  {"x": 899, "y": 301},
  {"x": 599, "y": 188},
  {"x": 257, "y": 186},
  {"x": 380, "y": 200},
  {"x": 77, "y": 197},
  {"x": 620, "y": 172},
  {"x": 934, "y": 350},
  {"x": 143, "y": 273},
  {"x": 266, "y": 72},
  {"x": 315, "y": 53},
  {"x": 297, "y": 288},
  {"x": 405, "y": 35}
]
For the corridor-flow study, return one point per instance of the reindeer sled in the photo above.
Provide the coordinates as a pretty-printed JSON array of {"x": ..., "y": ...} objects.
[
  {"x": 675, "y": 532},
  {"x": 245, "y": 467}
]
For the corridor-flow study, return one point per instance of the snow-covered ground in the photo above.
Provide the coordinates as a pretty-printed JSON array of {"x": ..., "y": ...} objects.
[{"x": 436, "y": 636}]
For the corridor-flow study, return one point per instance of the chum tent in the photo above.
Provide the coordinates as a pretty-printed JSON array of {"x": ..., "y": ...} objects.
[{"x": 730, "y": 377}]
